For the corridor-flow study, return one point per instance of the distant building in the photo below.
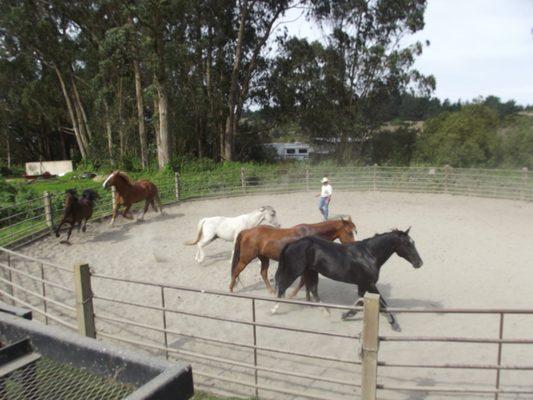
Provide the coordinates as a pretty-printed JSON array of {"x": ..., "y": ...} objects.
[{"x": 295, "y": 150}]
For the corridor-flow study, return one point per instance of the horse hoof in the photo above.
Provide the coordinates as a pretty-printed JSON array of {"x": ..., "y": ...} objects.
[{"x": 396, "y": 328}]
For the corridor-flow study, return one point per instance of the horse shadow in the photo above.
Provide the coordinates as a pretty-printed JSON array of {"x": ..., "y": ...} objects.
[
  {"x": 113, "y": 235},
  {"x": 215, "y": 258},
  {"x": 346, "y": 294}
]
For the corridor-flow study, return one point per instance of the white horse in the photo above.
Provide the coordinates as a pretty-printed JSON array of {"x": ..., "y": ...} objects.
[{"x": 226, "y": 228}]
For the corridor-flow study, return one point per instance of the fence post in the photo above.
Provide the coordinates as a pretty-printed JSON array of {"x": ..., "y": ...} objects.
[
  {"x": 446, "y": 176},
  {"x": 243, "y": 180},
  {"x": 369, "y": 347},
  {"x": 255, "y": 349},
  {"x": 374, "y": 178},
  {"x": 524, "y": 181},
  {"x": 165, "y": 336},
  {"x": 306, "y": 179},
  {"x": 113, "y": 197},
  {"x": 47, "y": 209},
  {"x": 43, "y": 291},
  {"x": 84, "y": 300},
  {"x": 177, "y": 184}
]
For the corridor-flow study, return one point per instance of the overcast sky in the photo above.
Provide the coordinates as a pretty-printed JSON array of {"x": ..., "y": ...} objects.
[{"x": 478, "y": 47}]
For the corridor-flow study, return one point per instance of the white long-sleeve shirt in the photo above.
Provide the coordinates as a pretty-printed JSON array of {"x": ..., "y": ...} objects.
[{"x": 327, "y": 190}]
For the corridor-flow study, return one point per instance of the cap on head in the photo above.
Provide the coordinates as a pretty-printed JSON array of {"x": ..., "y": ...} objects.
[{"x": 324, "y": 179}]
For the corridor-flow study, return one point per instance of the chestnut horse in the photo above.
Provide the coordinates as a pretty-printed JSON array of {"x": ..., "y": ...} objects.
[
  {"x": 266, "y": 243},
  {"x": 129, "y": 192},
  {"x": 77, "y": 210}
]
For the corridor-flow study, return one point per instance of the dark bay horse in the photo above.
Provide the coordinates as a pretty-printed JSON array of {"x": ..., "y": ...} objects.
[
  {"x": 77, "y": 210},
  {"x": 266, "y": 243},
  {"x": 129, "y": 192},
  {"x": 358, "y": 263}
]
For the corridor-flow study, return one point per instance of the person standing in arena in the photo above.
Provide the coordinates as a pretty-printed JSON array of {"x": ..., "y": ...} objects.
[{"x": 325, "y": 198}]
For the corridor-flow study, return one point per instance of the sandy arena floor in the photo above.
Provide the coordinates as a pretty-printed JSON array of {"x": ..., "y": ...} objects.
[{"x": 476, "y": 252}]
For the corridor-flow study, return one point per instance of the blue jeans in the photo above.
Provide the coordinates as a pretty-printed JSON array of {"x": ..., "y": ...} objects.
[{"x": 323, "y": 206}]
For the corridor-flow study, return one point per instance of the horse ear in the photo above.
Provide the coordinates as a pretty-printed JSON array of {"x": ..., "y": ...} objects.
[
  {"x": 350, "y": 218},
  {"x": 407, "y": 231}
]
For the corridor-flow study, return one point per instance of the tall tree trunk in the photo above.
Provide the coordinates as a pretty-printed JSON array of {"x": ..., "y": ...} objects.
[
  {"x": 109, "y": 133},
  {"x": 164, "y": 146},
  {"x": 80, "y": 105},
  {"x": 139, "y": 98},
  {"x": 229, "y": 134},
  {"x": 77, "y": 133},
  {"x": 121, "y": 138},
  {"x": 140, "y": 113}
]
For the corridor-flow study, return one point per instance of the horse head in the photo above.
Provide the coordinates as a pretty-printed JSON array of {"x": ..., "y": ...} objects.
[
  {"x": 348, "y": 231},
  {"x": 71, "y": 196},
  {"x": 406, "y": 249},
  {"x": 110, "y": 180},
  {"x": 90, "y": 194},
  {"x": 268, "y": 215}
]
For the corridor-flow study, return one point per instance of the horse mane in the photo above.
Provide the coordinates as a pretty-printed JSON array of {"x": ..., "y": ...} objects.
[
  {"x": 394, "y": 230},
  {"x": 125, "y": 177}
]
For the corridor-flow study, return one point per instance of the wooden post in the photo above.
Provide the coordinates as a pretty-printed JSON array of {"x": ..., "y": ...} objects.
[
  {"x": 243, "y": 180},
  {"x": 375, "y": 173},
  {"x": 177, "y": 184},
  {"x": 446, "y": 177},
  {"x": 113, "y": 197},
  {"x": 369, "y": 347},
  {"x": 306, "y": 179},
  {"x": 524, "y": 181},
  {"x": 84, "y": 300},
  {"x": 48, "y": 209}
]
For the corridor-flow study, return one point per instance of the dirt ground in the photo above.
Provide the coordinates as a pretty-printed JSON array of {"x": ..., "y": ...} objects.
[{"x": 476, "y": 252}]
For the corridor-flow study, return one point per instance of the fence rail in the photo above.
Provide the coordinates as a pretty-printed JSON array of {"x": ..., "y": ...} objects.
[
  {"x": 53, "y": 292},
  {"x": 34, "y": 216}
]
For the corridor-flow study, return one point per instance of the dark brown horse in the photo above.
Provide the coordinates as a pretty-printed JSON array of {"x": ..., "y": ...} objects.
[
  {"x": 77, "y": 210},
  {"x": 266, "y": 243},
  {"x": 129, "y": 192}
]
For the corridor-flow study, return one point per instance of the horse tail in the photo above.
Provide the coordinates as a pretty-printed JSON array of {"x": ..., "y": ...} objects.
[
  {"x": 198, "y": 233},
  {"x": 236, "y": 252}
]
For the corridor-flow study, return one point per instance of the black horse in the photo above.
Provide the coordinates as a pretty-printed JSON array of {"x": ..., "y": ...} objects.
[
  {"x": 357, "y": 263},
  {"x": 77, "y": 210}
]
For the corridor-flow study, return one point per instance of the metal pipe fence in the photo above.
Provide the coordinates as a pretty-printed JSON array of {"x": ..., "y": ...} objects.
[{"x": 34, "y": 216}]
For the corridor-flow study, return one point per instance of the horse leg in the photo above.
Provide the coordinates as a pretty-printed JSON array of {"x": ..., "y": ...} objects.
[
  {"x": 84, "y": 229},
  {"x": 235, "y": 273},
  {"x": 70, "y": 231},
  {"x": 264, "y": 272},
  {"x": 146, "y": 204},
  {"x": 297, "y": 289},
  {"x": 125, "y": 213},
  {"x": 204, "y": 241},
  {"x": 312, "y": 285},
  {"x": 383, "y": 306},
  {"x": 361, "y": 292},
  {"x": 59, "y": 227}
]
